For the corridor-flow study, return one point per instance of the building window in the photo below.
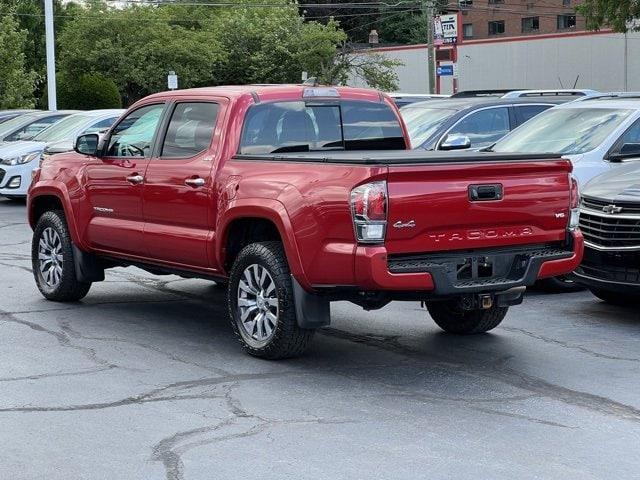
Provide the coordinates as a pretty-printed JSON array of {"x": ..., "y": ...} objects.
[
  {"x": 566, "y": 3},
  {"x": 467, "y": 30},
  {"x": 530, "y": 24},
  {"x": 496, "y": 27},
  {"x": 465, "y": 3},
  {"x": 496, "y": 1},
  {"x": 566, "y": 21}
]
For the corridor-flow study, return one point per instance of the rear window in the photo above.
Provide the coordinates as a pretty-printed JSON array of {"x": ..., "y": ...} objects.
[{"x": 306, "y": 127}]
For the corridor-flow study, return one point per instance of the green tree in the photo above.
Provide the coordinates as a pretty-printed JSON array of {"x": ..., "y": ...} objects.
[
  {"x": 374, "y": 69},
  {"x": 16, "y": 81},
  {"x": 88, "y": 92},
  {"x": 617, "y": 14},
  {"x": 136, "y": 47}
]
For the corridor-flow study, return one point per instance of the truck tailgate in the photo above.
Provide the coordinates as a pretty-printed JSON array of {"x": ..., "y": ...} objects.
[{"x": 457, "y": 206}]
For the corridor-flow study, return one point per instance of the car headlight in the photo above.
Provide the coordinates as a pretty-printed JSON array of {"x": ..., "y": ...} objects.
[{"x": 21, "y": 159}]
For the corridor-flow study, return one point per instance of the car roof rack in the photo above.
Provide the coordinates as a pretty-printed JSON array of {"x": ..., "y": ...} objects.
[
  {"x": 563, "y": 92},
  {"x": 481, "y": 93},
  {"x": 612, "y": 96}
]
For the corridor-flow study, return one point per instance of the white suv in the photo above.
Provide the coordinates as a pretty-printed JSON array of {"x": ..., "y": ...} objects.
[{"x": 596, "y": 134}]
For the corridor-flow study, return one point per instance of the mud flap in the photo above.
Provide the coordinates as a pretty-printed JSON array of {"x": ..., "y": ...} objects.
[
  {"x": 88, "y": 267},
  {"x": 312, "y": 311}
]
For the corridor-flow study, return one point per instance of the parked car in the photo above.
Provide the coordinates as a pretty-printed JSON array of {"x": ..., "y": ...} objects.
[
  {"x": 26, "y": 126},
  {"x": 18, "y": 159},
  {"x": 461, "y": 123},
  {"x": 597, "y": 134},
  {"x": 9, "y": 114},
  {"x": 266, "y": 188},
  {"x": 610, "y": 223},
  {"x": 404, "y": 99}
]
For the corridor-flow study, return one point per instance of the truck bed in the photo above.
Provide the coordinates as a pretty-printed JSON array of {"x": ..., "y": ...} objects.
[{"x": 398, "y": 157}]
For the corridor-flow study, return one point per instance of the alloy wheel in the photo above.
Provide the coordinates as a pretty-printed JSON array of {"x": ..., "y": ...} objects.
[
  {"x": 257, "y": 303},
  {"x": 50, "y": 258}
]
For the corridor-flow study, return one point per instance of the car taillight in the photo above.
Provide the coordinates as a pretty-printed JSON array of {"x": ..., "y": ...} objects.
[
  {"x": 369, "y": 211},
  {"x": 574, "y": 206}
]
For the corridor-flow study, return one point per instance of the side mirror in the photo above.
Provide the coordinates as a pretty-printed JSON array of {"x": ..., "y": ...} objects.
[
  {"x": 627, "y": 151},
  {"x": 455, "y": 142},
  {"x": 87, "y": 144}
]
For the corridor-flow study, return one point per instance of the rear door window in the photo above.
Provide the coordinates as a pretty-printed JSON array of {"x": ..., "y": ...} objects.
[
  {"x": 305, "y": 127},
  {"x": 527, "y": 112},
  {"x": 190, "y": 129}
]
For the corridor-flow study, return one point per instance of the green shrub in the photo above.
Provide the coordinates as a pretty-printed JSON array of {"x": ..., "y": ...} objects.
[{"x": 88, "y": 92}]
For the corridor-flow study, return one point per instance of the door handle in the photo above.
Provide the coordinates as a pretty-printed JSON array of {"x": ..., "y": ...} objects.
[
  {"x": 483, "y": 193},
  {"x": 195, "y": 182},
  {"x": 135, "y": 179}
]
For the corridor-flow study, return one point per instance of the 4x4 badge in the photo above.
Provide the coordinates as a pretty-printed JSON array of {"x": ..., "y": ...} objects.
[{"x": 611, "y": 209}]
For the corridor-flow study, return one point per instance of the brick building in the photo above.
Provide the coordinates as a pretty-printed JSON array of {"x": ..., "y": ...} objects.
[{"x": 510, "y": 18}]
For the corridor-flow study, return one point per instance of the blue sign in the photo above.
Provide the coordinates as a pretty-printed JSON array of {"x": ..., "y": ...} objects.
[{"x": 445, "y": 71}]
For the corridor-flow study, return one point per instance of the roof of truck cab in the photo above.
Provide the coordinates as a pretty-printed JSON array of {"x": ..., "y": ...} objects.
[{"x": 269, "y": 92}]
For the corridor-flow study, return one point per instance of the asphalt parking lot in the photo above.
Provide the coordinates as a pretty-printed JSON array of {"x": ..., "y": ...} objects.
[{"x": 143, "y": 379}]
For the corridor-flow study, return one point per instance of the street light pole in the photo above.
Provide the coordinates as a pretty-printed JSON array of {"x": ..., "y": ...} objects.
[
  {"x": 431, "y": 48},
  {"x": 51, "y": 54}
]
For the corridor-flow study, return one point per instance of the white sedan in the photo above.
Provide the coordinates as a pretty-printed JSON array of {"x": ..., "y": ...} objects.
[{"x": 19, "y": 159}]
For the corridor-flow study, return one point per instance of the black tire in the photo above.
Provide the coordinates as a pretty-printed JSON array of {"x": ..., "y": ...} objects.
[
  {"x": 67, "y": 288},
  {"x": 453, "y": 319},
  {"x": 562, "y": 284},
  {"x": 286, "y": 339},
  {"x": 616, "y": 298}
]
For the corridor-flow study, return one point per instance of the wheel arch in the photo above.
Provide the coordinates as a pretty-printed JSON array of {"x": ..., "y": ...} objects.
[
  {"x": 257, "y": 220},
  {"x": 47, "y": 198}
]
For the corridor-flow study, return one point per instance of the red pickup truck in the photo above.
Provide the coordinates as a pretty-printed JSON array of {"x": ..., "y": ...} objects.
[{"x": 295, "y": 197}]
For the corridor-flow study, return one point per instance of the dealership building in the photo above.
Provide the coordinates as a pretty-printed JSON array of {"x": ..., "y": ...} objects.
[{"x": 513, "y": 44}]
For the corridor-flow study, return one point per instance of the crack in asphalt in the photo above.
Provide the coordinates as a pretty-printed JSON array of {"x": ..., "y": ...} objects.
[
  {"x": 62, "y": 339},
  {"x": 57, "y": 374},
  {"x": 560, "y": 343},
  {"x": 592, "y": 402},
  {"x": 170, "y": 450}
]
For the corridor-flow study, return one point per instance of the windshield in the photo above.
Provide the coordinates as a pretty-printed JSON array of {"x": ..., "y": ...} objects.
[
  {"x": 565, "y": 131},
  {"x": 16, "y": 122},
  {"x": 422, "y": 123},
  {"x": 62, "y": 129}
]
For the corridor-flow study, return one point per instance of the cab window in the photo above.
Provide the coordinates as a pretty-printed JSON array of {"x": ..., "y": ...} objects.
[
  {"x": 281, "y": 127},
  {"x": 190, "y": 129},
  {"x": 133, "y": 136}
]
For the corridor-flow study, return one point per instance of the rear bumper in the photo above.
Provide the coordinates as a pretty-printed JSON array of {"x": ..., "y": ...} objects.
[{"x": 461, "y": 272}]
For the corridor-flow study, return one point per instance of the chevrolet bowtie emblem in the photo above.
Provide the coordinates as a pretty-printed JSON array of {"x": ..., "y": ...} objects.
[{"x": 611, "y": 209}]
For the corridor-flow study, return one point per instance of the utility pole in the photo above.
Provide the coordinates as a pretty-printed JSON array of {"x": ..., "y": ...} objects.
[
  {"x": 51, "y": 54},
  {"x": 431, "y": 60}
]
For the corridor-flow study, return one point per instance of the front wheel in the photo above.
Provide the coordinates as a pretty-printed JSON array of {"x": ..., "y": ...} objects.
[
  {"x": 453, "y": 319},
  {"x": 52, "y": 260},
  {"x": 616, "y": 298},
  {"x": 261, "y": 303}
]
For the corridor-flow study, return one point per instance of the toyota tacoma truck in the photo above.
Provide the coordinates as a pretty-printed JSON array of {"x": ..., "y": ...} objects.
[{"x": 294, "y": 197}]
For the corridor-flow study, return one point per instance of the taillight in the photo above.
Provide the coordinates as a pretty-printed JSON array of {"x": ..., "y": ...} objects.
[
  {"x": 574, "y": 206},
  {"x": 369, "y": 210}
]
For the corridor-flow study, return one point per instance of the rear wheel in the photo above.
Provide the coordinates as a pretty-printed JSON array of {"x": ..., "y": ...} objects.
[
  {"x": 453, "y": 319},
  {"x": 616, "y": 298},
  {"x": 261, "y": 304},
  {"x": 52, "y": 260}
]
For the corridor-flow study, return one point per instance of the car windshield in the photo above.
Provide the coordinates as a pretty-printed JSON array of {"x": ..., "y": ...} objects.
[
  {"x": 422, "y": 123},
  {"x": 565, "y": 131},
  {"x": 16, "y": 122},
  {"x": 62, "y": 129}
]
